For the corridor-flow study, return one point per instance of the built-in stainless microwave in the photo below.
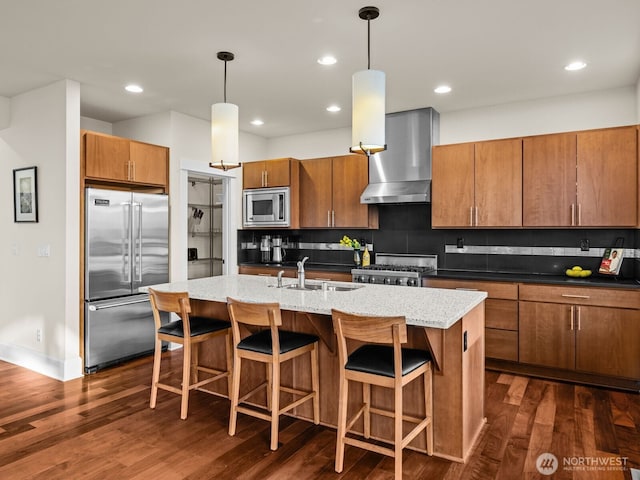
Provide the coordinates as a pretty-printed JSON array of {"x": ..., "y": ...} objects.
[{"x": 266, "y": 207}]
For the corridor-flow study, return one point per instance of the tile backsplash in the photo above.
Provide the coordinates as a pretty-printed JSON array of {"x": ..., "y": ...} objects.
[{"x": 407, "y": 228}]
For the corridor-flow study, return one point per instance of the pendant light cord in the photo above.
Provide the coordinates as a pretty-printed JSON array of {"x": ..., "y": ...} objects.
[
  {"x": 225, "y": 81},
  {"x": 368, "y": 43}
]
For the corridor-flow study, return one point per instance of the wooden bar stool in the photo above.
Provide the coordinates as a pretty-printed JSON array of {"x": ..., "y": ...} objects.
[
  {"x": 190, "y": 332},
  {"x": 380, "y": 361},
  {"x": 272, "y": 347}
]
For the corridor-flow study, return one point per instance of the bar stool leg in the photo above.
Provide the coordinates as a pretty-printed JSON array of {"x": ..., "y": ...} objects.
[
  {"x": 366, "y": 399},
  {"x": 398, "y": 433},
  {"x": 275, "y": 405},
  {"x": 428, "y": 409},
  {"x": 315, "y": 381},
  {"x": 186, "y": 375},
  {"x": 342, "y": 421},
  {"x": 268, "y": 368},
  {"x": 155, "y": 377},
  {"x": 229, "y": 341},
  {"x": 235, "y": 394}
]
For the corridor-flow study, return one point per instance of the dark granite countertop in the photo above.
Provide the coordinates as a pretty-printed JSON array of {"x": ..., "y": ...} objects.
[
  {"x": 332, "y": 267},
  {"x": 594, "y": 280}
]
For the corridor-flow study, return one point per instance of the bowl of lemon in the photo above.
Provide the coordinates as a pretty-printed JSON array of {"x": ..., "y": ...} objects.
[{"x": 577, "y": 272}]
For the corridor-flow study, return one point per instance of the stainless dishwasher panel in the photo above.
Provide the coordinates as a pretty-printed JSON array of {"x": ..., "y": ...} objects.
[{"x": 117, "y": 330}]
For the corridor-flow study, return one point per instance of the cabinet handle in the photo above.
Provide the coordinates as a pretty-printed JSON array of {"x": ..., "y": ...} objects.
[
  {"x": 573, "y": 214},
  {"x": 567, "y": 295},
  {"x": 579, "y": 215},
  {"x": 333, "y": 218},
  {"x": 471, "y": 216},
  {"x": 467, "y": 289},
  {"x": 578, "y": 315},
  {"x": 476, "y": 215},
  {"x": 328, "y": 218},
  {"x": 573, "y": 309},
  {"x": 262, "y": 178},
  {"x": 266, "y": 178},
  {"x": 133, "y": 171}
]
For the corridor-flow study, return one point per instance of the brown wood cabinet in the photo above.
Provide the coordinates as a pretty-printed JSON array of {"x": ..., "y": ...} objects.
[
  {"x": 267, "y": 173},
  {"x": 549, "y": 180},
  {"x": 120, "y": 160},
  {"x": 501, "y": 314},
  {"x": 477, "y": 184},
  {"x": 330, "y": 191},
  {"x": 290, "y": 272},
  {"x": 581, "y": 179},
  {"x": 589, "y": 330},
  {"x": 607, "y": 177}
]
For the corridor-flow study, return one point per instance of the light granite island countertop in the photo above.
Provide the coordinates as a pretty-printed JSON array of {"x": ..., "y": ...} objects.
[
  {"x": 424, "y": 307},
  {"x": 449, "y": 323}
]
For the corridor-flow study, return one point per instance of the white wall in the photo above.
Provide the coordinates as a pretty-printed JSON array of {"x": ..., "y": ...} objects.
[
  {"x": 94, "y": 125},
  {"x": 607, "y": 108},
  {"x": 41, "y": 293},
  {"x": 601, "y": 109},
  {"x": 5, "y": 112}
]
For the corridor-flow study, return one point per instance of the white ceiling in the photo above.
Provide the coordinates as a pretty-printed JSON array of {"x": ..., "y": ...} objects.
[{"x": 489, "y": 51}]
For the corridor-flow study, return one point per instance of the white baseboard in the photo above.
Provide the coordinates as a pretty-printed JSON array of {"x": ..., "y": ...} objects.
[{"x": 63, "y": 370}]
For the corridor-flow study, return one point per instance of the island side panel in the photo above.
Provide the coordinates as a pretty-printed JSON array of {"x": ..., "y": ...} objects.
[{"x": 458, "y": 389}]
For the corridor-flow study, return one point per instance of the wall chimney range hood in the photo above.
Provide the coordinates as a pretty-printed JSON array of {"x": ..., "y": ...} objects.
[{"x": 402, "y": 173}]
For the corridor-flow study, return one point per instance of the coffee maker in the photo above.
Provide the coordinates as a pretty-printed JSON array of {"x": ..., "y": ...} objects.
[
  {"x": 265, "y": 249},
  {"x": 277, "y": 252}
]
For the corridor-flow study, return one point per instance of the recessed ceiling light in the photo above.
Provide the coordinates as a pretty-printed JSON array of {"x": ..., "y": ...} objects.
[
  {"x": 327, "y": 60},
  {"x": 134, "y": 88},
  {"x": 442, "y": 89},
  {"x": 257, "y": 122},
  {"x": 333, "y": 108},
  {"x": 573, "y": 66}
]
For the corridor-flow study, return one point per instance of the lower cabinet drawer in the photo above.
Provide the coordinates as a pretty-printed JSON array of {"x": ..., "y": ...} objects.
[
  {"x": 501, "y": 344},
  {"x": 502, "y": 314}
]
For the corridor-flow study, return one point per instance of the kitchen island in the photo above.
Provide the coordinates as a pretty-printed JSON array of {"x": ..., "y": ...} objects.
[{"x": 449, "y": 323}]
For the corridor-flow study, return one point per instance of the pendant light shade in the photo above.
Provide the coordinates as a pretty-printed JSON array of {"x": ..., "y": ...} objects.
[
  {"x": 224, "y": 127},
  {"x": 367, "y": 130},
  {"x": 368, "y": 101}
]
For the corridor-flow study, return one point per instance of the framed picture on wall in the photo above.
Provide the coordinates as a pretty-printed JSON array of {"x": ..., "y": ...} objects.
[{"x": 25, "y": 194}]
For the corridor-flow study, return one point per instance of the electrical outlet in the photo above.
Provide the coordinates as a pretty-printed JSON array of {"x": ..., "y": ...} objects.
[
  {"x": 38, "y": 335},
  {"x": 464, "y": 341},
  {"x": 460, "y": 242},
  {"x": 584, "y": 245}
]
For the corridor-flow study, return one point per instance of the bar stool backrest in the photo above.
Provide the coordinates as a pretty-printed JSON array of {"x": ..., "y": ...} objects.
[
  {"x": 257, "y": 315},
  {"x": 172, "y": 302}
]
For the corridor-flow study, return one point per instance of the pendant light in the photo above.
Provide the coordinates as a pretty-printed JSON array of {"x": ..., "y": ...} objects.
[
  {"x": 224, "y": 127},
  {"x": 368, "y": 100}
]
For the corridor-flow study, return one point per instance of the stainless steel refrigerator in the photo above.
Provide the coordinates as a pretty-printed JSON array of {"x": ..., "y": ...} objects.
[{"x": 126, "y": 247}]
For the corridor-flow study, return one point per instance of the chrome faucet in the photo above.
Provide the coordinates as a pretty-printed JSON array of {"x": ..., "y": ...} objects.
[
  {"x": 301, "y": 272},
  {"x": 280, "y": 273}
]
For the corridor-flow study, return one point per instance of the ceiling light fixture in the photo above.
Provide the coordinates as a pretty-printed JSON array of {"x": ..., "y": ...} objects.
[
  {"x": 368, "y": 97},
  {"x": 134, "y": 88},
  {"x": 573, "y": 66},
  {"x": 333, "y": 108},
  {"x": 442, "y": 89},
  {"x": 224, "y": 127},
  {"x": 257, "y": 122},
  {"x": 327, "y": 60}
]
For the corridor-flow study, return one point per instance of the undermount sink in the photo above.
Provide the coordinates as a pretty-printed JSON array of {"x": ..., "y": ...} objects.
[{"x": 330, "y": 288}]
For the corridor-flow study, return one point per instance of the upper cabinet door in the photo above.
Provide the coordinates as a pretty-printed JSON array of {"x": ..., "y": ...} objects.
[
  {"x": 277, "y": 172},
  {"x": 315, "y": 193},
  {"x": 607, "y": 177},
  {"x": 150, "y": 163},
  {"x": 549, "y": 181},
  {"x": 106, "y": 157},
  {"x": 350, "y": 177},
  {"x": 498, "y": 183},
  {"x": 452, "y": 190},
  {"x": 253, "y": 175}
]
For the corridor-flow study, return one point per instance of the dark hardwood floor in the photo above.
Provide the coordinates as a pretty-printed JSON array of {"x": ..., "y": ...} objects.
[{"x": 101, "y": 427}]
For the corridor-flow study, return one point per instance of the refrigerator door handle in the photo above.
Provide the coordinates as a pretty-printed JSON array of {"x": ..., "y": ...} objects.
[
  {"x": 95, "y": 308},
  {"x": 127, "y": 251},
  {"x": 139, "y": 243}
]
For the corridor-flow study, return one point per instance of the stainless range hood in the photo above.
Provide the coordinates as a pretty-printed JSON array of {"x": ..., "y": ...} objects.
[{"x": 402, "y": 173}]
